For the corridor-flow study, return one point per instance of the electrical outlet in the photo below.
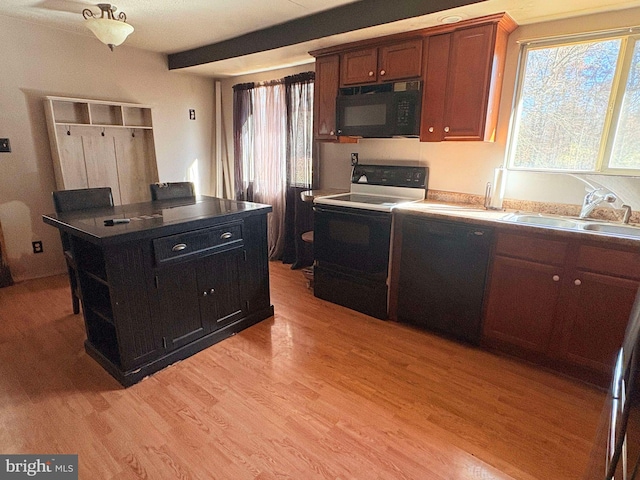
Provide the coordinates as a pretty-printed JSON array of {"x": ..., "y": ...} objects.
[
  {"x": 37, "y": 246},
  {"x": 354, "y": 159},
  {"x": 5, "y": 146}
]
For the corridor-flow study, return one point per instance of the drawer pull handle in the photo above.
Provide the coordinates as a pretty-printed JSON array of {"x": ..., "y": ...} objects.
[
  {"x": 556, "y": 278},
  {"x": 577, "y": 282},
  {"x": 226, "y": 235},
  {"x": 178, "y": 247}
]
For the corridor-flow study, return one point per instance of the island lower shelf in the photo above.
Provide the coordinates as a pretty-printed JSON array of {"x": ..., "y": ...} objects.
[{"x": 128, "y": 378}]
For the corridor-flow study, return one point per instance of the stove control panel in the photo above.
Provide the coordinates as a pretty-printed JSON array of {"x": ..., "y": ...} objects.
[{"x": 391, "y": 175}]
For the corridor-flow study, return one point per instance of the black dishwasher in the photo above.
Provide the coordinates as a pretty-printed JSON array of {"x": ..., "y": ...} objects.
[{"x": 443, "y": 269}]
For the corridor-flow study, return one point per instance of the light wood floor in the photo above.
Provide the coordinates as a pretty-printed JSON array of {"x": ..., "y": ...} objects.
[{"x": 317, "y": 392}]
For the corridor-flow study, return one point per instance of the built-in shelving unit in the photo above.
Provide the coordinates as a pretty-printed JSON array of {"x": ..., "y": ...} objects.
[
  {"x": 96, "y": 143},
  {"x": 76, "y": 112},
  {"x": 96, "y": 299}
]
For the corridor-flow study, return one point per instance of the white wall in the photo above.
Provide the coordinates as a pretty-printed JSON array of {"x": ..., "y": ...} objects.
[
  {"x": 39, "y": 61},
  {"x": 467, "y": 166}
]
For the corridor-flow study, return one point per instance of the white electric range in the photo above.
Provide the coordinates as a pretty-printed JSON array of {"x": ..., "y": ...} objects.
[{"x": 352, "y": 235}]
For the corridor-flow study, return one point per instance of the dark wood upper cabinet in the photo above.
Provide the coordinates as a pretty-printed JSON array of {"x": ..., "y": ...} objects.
[
  {"x": 359, "y": 67},
  {"x": 461, "y": 66},
  {"x": 326, "y": 90},
  {"x": 468, "y": 82},
  {"x": 384, "y": 64},
  {"x": 325, "y": 93},
  {"x": 462, "y": 83},
  {"x": 400, "y": 60}
]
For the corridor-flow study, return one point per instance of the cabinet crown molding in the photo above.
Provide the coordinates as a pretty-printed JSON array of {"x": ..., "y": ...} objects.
[{"x": 503, "y": 20}]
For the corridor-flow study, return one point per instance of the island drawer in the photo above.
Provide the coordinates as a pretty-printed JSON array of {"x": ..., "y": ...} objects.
[{"x": 197, "y": 242}]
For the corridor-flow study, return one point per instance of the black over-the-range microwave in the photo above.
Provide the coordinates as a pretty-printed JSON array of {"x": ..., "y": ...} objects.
[{"x": 379, "y": 111}]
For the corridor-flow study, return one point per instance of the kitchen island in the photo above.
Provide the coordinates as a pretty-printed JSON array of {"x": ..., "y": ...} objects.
[{"x": 180, "y": 276}]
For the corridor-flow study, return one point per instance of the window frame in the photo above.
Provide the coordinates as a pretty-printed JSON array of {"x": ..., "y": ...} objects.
[{"x": 629, "y": 37}]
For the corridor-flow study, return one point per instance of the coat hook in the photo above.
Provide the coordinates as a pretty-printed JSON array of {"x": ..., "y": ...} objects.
[
  {"x": 68, "y": 130},
  {"x": 102, "y": 133},
  {"x": 133, "y": 133}
]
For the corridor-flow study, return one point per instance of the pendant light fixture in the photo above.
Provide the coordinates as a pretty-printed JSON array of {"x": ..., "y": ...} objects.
[{"x": 110, "y": 29}]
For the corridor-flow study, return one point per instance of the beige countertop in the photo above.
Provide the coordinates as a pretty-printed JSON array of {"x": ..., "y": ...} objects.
[
  {"x": 310, "y": 195},
  {"x": 478, "y": 215}
]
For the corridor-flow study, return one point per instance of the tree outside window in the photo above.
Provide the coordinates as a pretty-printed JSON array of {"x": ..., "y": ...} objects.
[{"x": 578, "y": 107}]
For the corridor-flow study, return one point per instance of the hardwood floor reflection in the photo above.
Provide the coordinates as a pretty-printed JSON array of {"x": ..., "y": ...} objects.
[{"x": 316, "y": 392}]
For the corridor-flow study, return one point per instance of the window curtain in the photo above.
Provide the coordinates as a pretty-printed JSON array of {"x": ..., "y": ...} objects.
[
  {"x": 273, "y": 161},
  {"x": 300, "y": 168},
  {"x": 260, "y": 146}
]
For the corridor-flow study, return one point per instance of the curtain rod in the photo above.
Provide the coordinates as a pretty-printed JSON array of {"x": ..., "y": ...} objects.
[{"x": 579, "y": 36}]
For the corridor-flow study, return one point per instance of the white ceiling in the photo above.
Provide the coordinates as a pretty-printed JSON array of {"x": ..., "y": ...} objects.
[{"x": 170, "y": 26}]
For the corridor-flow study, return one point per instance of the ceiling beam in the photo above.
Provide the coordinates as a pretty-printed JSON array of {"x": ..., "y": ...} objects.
[{"x": 353, "y": 16}]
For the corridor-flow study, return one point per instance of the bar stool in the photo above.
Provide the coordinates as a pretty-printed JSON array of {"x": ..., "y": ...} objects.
[
  {"x": 307, "y": 272},
  {"x": 68, "y": 201},
  {"x": 172, "y": 190}
]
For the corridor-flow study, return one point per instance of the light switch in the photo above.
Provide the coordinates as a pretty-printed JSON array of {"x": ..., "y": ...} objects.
[{"x": 5, "y": 146}]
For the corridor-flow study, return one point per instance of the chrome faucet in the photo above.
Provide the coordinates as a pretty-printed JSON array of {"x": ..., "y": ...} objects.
[
  {"x": 593, "y": 199},
  {"x": 626, "y": 216}
]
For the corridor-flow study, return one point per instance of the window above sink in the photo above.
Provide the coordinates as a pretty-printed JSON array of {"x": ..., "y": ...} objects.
[{"x": 578, "y": 105}]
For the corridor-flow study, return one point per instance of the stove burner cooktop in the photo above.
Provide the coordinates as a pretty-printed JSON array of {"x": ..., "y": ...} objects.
[
  {"x": 371, "y": 199},
  {"x": 381, "y": 187}
]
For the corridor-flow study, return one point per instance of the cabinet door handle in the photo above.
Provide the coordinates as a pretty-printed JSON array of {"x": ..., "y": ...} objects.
[
  {"x": 430, "y": 129},
  {"x": 332, "y": 132},
  {"x": 179, "y": 246},
  {"x": 226, "y": 235},
  {"x": 556, "y": 278},
  {"x": 577, "y": 282},
  {"x": 446, "y": 129},
  {"x": 212, "y": 291},
  {"x": 371, "y": 74},
  {"x": 382, "y": 72},
  {"x": 205, "y": 293}
]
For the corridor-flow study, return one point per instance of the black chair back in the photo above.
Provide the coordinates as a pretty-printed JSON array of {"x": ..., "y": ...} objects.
[
  {"x": 166, "y": 191},
  {"x": 69, "y": 201},
  {"x": 81, "y": 199}
]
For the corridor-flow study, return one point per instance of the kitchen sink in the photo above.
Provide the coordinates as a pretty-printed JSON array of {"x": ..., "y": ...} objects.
[
  {"x": 586, "y": 224},
  {"x": 626, "y": 230},
  {"x": 543, "y": 220}
]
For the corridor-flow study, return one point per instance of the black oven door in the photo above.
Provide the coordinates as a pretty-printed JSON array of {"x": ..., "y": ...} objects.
[{"x": 353, "y": 240}]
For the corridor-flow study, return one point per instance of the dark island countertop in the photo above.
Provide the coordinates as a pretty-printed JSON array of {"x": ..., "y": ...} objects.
[{"x": 149, "y": 219}]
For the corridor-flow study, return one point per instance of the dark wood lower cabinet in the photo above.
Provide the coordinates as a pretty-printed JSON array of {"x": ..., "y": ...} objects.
[
  {"x": 566, "y": 312},
  {"x": 592, "y": 331},
  {"x": 522, "y": 303}
]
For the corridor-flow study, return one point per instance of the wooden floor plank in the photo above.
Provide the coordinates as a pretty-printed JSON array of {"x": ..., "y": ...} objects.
[{"x": 315, "y": 392}]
